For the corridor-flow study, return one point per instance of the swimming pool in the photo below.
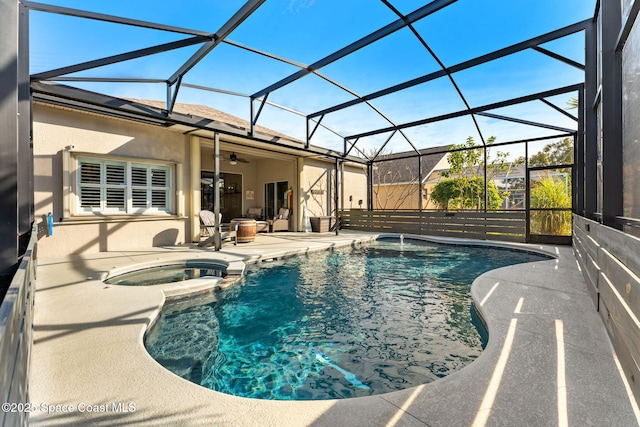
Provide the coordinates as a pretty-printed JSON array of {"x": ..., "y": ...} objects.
[{"x": 343, "y": 323}]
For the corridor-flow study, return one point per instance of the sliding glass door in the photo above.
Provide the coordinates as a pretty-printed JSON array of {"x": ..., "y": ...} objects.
[
  {"x": 230, "y": 188},
  {"x": 275, "y": 197}
]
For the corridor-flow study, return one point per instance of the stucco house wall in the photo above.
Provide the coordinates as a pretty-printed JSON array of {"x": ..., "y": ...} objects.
[
  {"x": 61, "y": 136},
  {"x": 355, "y": 187},
  {"x": 397, "y": 196},
  {"x": 318, "y": 187}
]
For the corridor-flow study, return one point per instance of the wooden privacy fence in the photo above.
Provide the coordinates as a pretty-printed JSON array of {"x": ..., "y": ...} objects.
[
  {"x": 610, "y": 264},
  {"x": 506, "y": 226}
]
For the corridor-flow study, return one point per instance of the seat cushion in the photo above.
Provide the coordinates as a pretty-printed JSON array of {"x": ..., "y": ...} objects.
[{"x": 283, "y": 213}]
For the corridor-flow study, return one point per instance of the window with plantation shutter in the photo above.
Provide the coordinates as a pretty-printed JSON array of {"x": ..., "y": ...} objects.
[
  {"x": 159, "y": 187},
  {"x": 102, "y": 186},
  {"x": 150, "y": 187},
  {"x": 90, "y": 188},
  {"x": 115, "y": 190},
  {"x": 112, "y": 187}
]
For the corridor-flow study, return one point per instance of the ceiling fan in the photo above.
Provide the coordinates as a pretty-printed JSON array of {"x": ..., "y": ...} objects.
[{"x": 233, "y": 159}]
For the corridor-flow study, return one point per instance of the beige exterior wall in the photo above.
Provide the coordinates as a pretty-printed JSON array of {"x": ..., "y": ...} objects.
[
  {"x": 405, "y": 196},
  {"x": 63, "y": 135},
  {"x": 318, "y": 182},
  {"x": 394, "y": 197},
  {"x": 355, "y": 187},
  {"x": 60, "y": 133},
  {"x": 317, "y": 187}
]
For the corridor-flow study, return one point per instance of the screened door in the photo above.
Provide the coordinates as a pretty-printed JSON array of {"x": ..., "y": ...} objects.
[{"x": 549, "y": 205}]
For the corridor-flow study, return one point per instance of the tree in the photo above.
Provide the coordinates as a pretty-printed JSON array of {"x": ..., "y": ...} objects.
[
  {"x": 553, "y": 154},
  {"x": 395, "y": 183},
  {"x": 551, "y": 192},
  {"x": 463, "y": 186},
  {"x": 556, "y": 153},
  {"x": 458, "y": 193}
]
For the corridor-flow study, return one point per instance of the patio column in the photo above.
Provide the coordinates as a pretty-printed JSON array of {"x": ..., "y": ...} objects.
[
  {"x": 196, "y": 165},
  {"x": 336, "y": 193},
  {"x": 302, "y": 226},
  {"x": 216, "y": 190}
]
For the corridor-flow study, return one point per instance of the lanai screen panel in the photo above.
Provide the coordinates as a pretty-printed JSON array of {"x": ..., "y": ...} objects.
[
  {"x": 631, "y": 126},
  {"x": 395, "y": 62}
]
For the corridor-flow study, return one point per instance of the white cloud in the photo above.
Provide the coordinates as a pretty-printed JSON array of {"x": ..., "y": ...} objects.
[{"x": 296, "y": 5}]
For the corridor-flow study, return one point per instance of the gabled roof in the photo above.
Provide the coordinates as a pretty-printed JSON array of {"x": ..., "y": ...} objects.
[
  {"x": 404, "y": 165},
  {"x": 213, "y": 114},
  {"x": 197, "y": 120}
]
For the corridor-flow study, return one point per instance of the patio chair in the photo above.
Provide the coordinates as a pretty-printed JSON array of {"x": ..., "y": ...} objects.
[
  {"x": 280, "y": 222},
  {"x": 208, "y": 221}
]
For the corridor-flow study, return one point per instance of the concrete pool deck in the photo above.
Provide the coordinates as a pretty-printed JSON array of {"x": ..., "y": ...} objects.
[{"x": 548, "y": 362}]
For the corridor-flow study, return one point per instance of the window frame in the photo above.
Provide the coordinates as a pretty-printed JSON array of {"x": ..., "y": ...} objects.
[{"x": 128, "y": 208}]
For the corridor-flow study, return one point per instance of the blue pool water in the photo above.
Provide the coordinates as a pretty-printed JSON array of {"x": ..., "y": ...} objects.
[{"x": 344, "y": 323}]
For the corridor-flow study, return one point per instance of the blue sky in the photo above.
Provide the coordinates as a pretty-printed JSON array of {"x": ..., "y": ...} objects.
[{"x": 308, "y": 30}]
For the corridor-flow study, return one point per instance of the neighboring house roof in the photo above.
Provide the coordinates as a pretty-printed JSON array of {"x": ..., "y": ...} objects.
[{"x": 405, "y": 168}]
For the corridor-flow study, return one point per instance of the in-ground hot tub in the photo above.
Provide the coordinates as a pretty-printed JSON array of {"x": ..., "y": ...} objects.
[
  {"x": 179, "y": 277},
  {"x": 169, "y": 272}
]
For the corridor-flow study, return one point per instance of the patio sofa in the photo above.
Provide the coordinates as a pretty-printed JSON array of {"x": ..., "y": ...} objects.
[{"x": 256, "y": 213}]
